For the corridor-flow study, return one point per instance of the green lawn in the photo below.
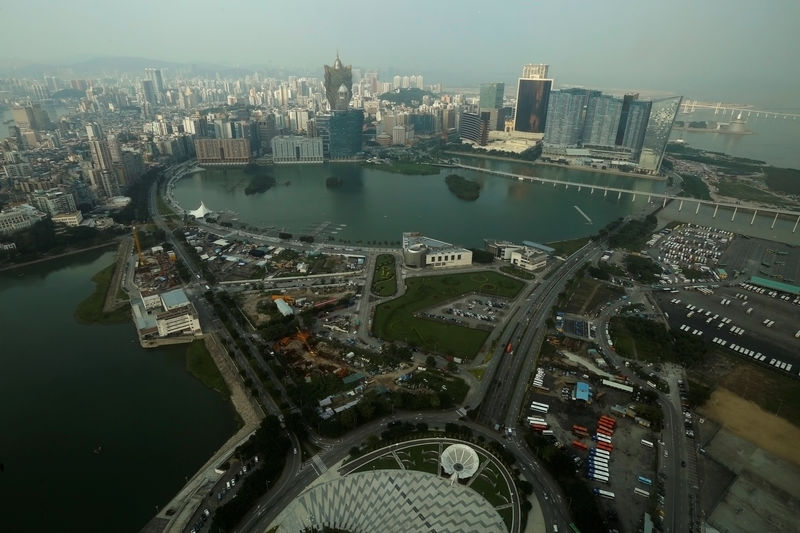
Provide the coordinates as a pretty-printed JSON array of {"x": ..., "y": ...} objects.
[
  {"x": 200, "y": 364},
  {"x": 567, "y": 248},
  {"x": 394, "y": 320},
  {"x": 477, "y": 372},
  {"x": 492, "y": 486},
  {"x": 741, "y": 191},
  {"x": 515, "y": 271},
  {"x": 384, "y": 281},
  {"x": 90, "y": 311}
]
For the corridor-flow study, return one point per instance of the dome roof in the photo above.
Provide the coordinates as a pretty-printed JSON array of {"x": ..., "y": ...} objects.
[
  {"x": 460, "y": 460},
  {"x": 337, "y": 64}
]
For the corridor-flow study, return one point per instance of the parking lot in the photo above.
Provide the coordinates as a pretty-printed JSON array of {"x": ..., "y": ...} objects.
[
  {"x": 470, "y": 311},
  {"x": 738, "y": 322}
]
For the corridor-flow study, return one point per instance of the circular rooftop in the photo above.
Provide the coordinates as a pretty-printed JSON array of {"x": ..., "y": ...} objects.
[{"x": 461, "y": 460}]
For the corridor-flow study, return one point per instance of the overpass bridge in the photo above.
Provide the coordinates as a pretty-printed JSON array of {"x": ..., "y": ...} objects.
[
  {"x": 743, "y": 110},
  {"x": 748, "y": 209}
]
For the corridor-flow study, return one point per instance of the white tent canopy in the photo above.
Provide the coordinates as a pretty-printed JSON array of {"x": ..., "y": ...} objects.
[{"x": 201, "y": 211}]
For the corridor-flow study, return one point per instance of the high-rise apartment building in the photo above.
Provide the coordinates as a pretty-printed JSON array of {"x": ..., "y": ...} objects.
[
  {"x": 565, "y": 117},
  {"x": 535, "y": 71},
  {"x": 149, "y": 92},
  {"x": 603, "y": 114},
  {"x": 155, "y": 75}
]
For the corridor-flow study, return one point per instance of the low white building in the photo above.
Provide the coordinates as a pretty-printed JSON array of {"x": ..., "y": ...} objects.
[
  {"x": 72, "y": 219},
  {"x": 529, "y": 258},
  {"x": 420, "y": 251}
]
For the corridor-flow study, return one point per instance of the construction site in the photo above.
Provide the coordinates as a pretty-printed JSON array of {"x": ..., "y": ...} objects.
[
  {"x": 335, "y": 368},
  {"x": 161, "y": 309}
]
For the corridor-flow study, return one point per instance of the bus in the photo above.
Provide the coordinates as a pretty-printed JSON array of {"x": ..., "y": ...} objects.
[
  {"x": 647, "y": 443},
  {"x": 640, "y": 492},
  {"x": 645, "y": 480},
  {"x": 604, "y": 493}
]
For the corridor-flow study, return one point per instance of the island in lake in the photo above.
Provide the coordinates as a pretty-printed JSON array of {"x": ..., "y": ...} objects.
[
  {"x": 259, "y": 184},
  {"x": 462, "y": 187}
]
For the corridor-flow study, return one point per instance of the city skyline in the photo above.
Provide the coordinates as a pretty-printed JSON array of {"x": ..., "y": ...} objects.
[{"x": 658, "y": 48}]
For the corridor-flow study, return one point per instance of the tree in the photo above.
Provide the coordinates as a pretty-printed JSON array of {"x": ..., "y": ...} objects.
[
  {"x": 430, "y": 361},
  {"x": 452, "y": 366}
]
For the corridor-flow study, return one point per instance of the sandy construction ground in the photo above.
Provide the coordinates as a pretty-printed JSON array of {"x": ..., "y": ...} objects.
[{"x": 748, "y": 420}]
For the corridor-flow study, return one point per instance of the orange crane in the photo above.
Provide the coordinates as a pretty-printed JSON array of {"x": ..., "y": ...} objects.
[
  {"x": 303, "y": 336},
  {"x": 285, "y": 297},
  {"x": 138, "y": 246}
]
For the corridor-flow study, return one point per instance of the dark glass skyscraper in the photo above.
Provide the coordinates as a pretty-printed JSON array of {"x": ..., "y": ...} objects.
[
  {"x": 346, "y": 132},
  {"x": 338, "y": 85},
  {"x": 532, "y": 100}
]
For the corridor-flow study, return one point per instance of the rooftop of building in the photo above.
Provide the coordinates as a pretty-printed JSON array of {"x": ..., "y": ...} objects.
[
  {"x": 174, "y": 298},
  {"x": 775, "y": 285},
  {"x": 415, "y": 239}
]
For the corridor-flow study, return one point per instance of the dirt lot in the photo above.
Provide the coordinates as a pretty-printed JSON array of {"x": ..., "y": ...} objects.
[
  {"x": 757, "y": 491},
  {"x": 748, "y": 420}
]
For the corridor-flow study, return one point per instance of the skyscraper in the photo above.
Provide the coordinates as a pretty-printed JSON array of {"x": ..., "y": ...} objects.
[
  {"x": 659, "y": 126},
  {"x": 149, "y": 92},
  {"x": 535, "y": 71},
  {"x": 338, "y": 85},
  {"x": 532, "y": 100},
  {"x": 565, "y": 117},
  {"x": 603, "y": 113},
  {"x": 491, "y": 102},
  {"x": 346, "y": 132},
  {"x": 155, "y": 75}
]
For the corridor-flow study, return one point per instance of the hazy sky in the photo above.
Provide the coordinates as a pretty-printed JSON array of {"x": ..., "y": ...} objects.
[{"x": 724, "y": 49}]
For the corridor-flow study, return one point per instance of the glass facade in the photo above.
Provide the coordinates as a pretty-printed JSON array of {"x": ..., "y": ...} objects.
[
  {"x": 565, "y": 117},
  {"x": 346, "y": 133},
  {"x": 635, "y": 126},
  {"x": 603, "y": 113},
  {"x": 659, "y": 126},
  {"x": 492, "y": 95},
  {"x": 532, "y": 101}
]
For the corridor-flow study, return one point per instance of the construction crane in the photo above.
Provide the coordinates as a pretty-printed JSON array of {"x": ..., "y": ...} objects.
[{"x": 138, "y": 246}]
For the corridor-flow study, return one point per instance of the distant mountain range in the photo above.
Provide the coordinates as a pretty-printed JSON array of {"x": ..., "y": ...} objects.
[{"x": 113, "y": 66}]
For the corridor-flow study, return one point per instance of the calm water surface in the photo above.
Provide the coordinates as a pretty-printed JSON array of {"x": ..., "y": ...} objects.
[{"x": 66, "y": 388}]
